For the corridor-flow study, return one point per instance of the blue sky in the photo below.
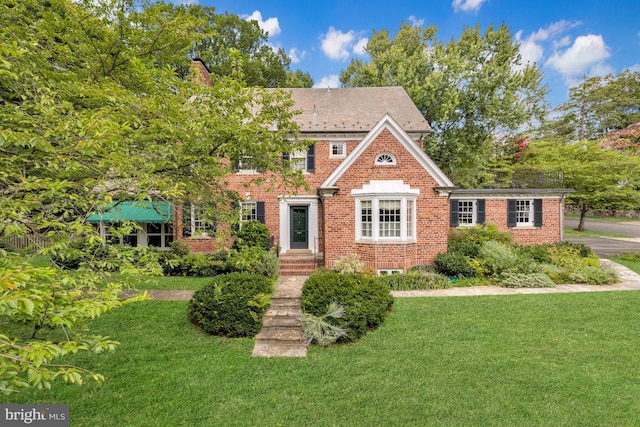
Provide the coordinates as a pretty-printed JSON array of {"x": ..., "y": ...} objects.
[{"x": 567, "y": 38}]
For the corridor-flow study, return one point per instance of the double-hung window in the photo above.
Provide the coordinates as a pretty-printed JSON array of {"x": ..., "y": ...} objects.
[
  {"x": 467, "y": 212},
  {"x": 524, "y": 213},
  {"x": 385, "y": 212},
  {"x": 198, "y": 219}
]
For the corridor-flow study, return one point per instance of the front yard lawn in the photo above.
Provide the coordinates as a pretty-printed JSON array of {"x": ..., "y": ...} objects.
[
  {"x": 633, "y": 265},
  {"x": 562, "y": 359},
  {"x": 588, "y": 234}
]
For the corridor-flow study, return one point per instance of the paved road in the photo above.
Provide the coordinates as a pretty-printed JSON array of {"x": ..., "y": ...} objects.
[
  {"x": 604, "y": 246},
  {"x": 626, "y": 228}
]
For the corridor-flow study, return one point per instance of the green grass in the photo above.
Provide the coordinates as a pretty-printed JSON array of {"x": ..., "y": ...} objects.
[
  {"x": 587, "y": 234},
  {"x": 604, "y": 219},
  {"x": 169, "y": 282},
  {"x": 633, "y": 265},
  {"x": 563, "y": 359}
]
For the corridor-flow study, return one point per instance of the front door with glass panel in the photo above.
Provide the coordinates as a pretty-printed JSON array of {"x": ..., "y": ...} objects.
[{"x": 299, "y": 227}]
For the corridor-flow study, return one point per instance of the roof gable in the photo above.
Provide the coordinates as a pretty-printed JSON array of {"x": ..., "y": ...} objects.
[{"x": 387, "y": 122}]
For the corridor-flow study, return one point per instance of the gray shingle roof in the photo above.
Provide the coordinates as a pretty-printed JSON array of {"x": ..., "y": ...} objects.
[{"x": 355, "y": 109}]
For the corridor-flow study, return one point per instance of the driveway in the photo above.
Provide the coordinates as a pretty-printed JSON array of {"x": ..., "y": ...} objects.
[
  {"x": 608, "y": 246},
  {"x": 626, "y": 228}
]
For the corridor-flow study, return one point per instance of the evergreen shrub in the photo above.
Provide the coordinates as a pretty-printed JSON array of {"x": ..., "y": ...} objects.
[
  {"x": 365, "y": 301},
  {"x": 252, "y": 234},
  {"x": 232, "y": 305},
  {"x": 453, "y": 264}
]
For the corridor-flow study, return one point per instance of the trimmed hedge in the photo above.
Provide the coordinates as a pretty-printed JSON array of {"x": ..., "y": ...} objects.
[
  {"x": 232, "y": 305},
  {"x": 365, "y": 300}
]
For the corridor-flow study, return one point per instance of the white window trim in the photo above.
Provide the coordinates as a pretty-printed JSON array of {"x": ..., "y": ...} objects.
[
  {"x": 246, "y": 171},
  {"x": 530, "y": 222},
  {"x": 390, "y": 162},
  {"x": 244, "y": 207},
  {"x": 198, "y": 231},
  {"x": 389, "y": 271},
  {"x": 343, "y": 145},
  {"x": 474, "y": 213},
  {"x": 376, "y": 191}
]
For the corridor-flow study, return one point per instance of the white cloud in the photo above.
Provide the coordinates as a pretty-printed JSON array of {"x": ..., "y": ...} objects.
[
  {"x": 331, "y": 81},
  {"x": 416, "y": 22},
  {"x": 532, "y": 51},
  {"x": 271, "y": 25},
  {"x": 360, "y": 47},
  {"x": 467, "y": 5},
  {"x": 296, "y": 56},
  {"x": 188, "y": 2},
  {"x": 336, "y": 44},
  {"x": 635, "y": 68},
  {"x": 586, "y": 52}
]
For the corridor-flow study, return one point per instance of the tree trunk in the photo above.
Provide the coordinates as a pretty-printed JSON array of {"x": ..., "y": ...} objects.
[{"x": 583, "y": 214}]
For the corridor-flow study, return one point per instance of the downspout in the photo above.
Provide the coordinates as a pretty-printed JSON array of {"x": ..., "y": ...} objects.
[{"x": 561, "y": 213}]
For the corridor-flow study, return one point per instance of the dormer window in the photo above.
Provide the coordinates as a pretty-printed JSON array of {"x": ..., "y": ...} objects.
[{"x": 385, "y": 159}]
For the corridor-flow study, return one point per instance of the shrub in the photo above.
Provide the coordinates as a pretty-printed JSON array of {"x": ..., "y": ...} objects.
[
  {"x": 232, "y": 304},
  {"x": 252, "y": 234},
  {"x": 630, "y": 256},
  {"x": 94, "y": 254},
  {"x": 453, "y": 264},
  {"x": 499, "y": 257},
  {"x": 593, "y": 275},
  {"x": 416, "y": 279},
  {"x": 254, "y": 260},
  {"x": 468, "y": 240},
  {"x": 349, "y": 264},
  {"x": 202, "y": 265},
  {"x": 526, "y": 280},
  {"x": 365, "y": 300}
]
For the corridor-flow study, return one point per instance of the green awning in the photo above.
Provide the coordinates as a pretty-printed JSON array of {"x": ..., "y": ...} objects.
[{"x": 156, "y": 211}]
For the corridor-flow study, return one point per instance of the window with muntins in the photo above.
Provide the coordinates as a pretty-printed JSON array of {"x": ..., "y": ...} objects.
[
  {"x": 389, "y": 218},
  {"x": 337, "y": 149},
  {"x": 524, "y": 213},
  {"x": 385, "y": 159},
  {"x": 249, "y": 211},
  {"x": 466, "y": 212},
  {"x": 386, "y": 212},
  {"x": 198, "y": 220},
  {"x": 366, "y": 218}
]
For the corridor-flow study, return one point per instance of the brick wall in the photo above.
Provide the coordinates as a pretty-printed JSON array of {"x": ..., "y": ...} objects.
[
  {"x": 496, "y": 212},
  {"x": 432, "y": 211}
]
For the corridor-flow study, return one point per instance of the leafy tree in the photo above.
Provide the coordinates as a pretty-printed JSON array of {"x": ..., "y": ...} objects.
[
  {"x": 230, "y": 45},
  {"x": 597, "y": 106},
  {"x": 93, "y": 109},
  {"x": 603, "y": 179},
  {"x": 468, "y": 89}
]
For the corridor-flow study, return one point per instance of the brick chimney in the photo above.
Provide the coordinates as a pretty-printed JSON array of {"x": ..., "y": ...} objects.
[{"x": 201, "y": 72}]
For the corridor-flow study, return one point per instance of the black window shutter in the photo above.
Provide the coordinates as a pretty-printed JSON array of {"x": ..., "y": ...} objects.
[
  {"x": 480, "y": 214},
  {"x": 260, "y": 211},
  {"x": 236, "y": 165},
  {"x": 511, "y": 213},
  {"x": 311, "y": 159},
  {"x": 285, "y": 159},
  {"x": 453, "y": 212},
  {"x": 537, "y": 212}
]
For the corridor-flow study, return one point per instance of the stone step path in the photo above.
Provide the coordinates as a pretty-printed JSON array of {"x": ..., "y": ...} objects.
[{"x": 281, "y": 334}]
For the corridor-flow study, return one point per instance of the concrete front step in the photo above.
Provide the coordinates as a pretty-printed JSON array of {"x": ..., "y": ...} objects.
[
  {"x": 276, "y": 333},
  {"x": 282, "y": 321},
  {"x": 279, "y": 350},
  {"x": 285, "y": 302}
]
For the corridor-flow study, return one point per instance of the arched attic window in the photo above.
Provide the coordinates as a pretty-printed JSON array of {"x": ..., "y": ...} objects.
[{"x": 385, "y": 159}]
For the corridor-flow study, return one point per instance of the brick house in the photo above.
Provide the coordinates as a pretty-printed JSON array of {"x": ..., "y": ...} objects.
[{"x": 373, "y": 192}]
